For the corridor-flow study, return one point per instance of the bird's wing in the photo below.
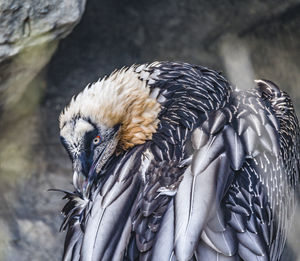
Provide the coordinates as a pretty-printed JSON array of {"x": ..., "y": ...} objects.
[
  {"x": 159, "y": 186},
  {"x": 237, "y": 196}
]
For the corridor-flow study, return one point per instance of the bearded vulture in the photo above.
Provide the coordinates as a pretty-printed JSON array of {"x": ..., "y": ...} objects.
[{"x": 172, "y": 163}]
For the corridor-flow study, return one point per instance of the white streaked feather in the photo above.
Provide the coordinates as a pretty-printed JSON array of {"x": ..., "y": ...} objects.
[{"x": 147, "y": 157}]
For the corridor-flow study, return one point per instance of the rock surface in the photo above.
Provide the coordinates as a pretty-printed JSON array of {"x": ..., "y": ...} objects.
[
  {"x": 244, "y": 39},
  {"x": 29, "y": 32}
]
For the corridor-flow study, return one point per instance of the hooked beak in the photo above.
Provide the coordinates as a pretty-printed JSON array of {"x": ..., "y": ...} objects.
[
  {"x": 81, "y": 170},
  {"x": 86, "y": 170}
]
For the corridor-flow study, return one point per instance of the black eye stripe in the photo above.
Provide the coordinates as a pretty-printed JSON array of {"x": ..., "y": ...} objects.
[{"x": 89, "y": 137}]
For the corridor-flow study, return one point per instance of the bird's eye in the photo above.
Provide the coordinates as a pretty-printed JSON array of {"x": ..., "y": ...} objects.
[{"x": 97, "y": 140}]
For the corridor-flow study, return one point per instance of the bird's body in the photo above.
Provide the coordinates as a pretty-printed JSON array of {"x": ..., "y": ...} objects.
[{"x": 183, "y": 167}]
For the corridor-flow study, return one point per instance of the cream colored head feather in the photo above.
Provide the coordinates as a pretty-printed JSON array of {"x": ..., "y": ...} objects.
[{"x": 122, "y": 98}]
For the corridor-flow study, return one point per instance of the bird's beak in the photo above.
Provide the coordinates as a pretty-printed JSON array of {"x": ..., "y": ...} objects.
[
  {"x": 85, "y": 169},
  {"x": 81, "y": 170}
]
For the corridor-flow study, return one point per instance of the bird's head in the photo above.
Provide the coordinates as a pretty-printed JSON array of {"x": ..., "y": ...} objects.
[{"x": 107, "y": 117}]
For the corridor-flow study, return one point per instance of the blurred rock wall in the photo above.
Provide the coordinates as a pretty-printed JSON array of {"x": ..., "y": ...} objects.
[
  {"x": 29, "y": 33},
  {"x": 244, "y": 39}
]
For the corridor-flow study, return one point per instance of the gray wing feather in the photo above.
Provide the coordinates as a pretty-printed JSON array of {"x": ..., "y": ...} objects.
[
  {"x": 204, "y": 253},
  {"x": 123, "y": 241},
  {"x": 225, "y": 241},
  {"x": 196, "y": 196},
  {"x": 72, "y": 251},
  {"x": 106, "y": 221},
  {"x": 164, "y": 245},
  {"x": 262, "y": 149}
]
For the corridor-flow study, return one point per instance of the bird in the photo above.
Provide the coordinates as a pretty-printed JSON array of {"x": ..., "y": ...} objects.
[{"x": 171, "y": 162}]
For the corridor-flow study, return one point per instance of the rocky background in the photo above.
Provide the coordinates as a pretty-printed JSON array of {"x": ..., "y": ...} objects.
[{"x": 244, "y": 39}]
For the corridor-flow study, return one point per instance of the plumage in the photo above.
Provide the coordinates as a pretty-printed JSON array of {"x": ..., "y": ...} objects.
[{"x": 183, "y": 167}]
